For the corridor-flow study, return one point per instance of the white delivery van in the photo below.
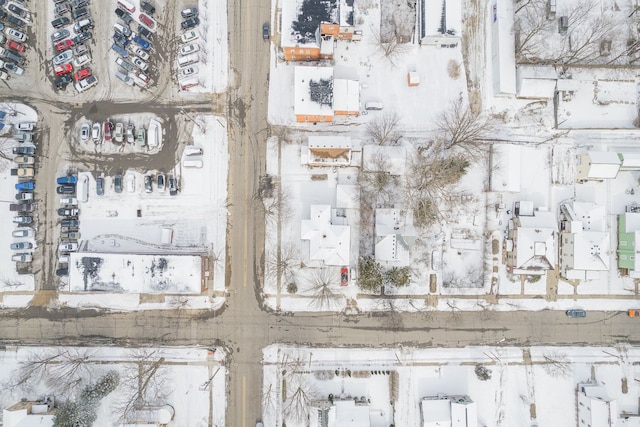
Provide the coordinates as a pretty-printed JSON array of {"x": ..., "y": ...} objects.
[
  {"x": 374, "y": 105},
  {"x": 192, "y": 163},
  {"x": 188, "y": 59},
  {"x": 192, "y": 151},
  {"x": 82, "y": 188}
]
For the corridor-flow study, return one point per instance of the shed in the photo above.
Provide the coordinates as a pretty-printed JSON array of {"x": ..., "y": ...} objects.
[
  {"x": 597, "y": 165},
  {"x": 413, "y": 78}
]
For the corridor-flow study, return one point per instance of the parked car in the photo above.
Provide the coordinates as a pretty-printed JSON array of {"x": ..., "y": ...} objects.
[
  {"x": 23, "y": 172},
  {"x": 130, "y": 135},
  {"x": 85, "y": 131},
  {"x": 20, "y": 246},
  {"x": 25, "y": 160},
  {"x": 124, "y": 64},
  {"x": 60, "y": 35},
  {"x": 189, "y": 36},
  {"x": 145, "y": 44},
  {"x": 24, "y": 196},
  {"x": 100, "y": 186},
  {"x": 119, "y": 50},
  {"x": 72, "y": 201},
  {"x": 265, "y": 31},
  {"x": 9, "y": 66},
  {"x": 83, "y": 73},
  {"x": 22, "y": 219},
  {"x": 68, "y": 179},
  {"x": 79, "y": 3},
  {"x": 117, "y": 183},
  {"x": 344, "y": 276},
  {"x": 188, "y": 71},
  {"x": 147, "y": 7},
  {"x": 633, "y": 313},
  {"x": 63, "y": 58},
  {"x": 140, "y": 63},
  {"x": 118, "y": 135},
  {"x": 68, "y": 211},
  {"x": 146, "y": 20},
  {"x": 24, "y": 150},
  {"x": 63, "y": 259},
  {"x": 25, "y": 185},
  {"x": 69, "y": 224},
  {"x": 189, "y": 48},
  {"x": 66, "y": 189},
  {"x": 142, "y": 136},
  {"x": 80, "y": 49},
  {"x": 86, "y": 84},
  {"x": 81, "y": 60},
  {"x": 60, "y": 22},
  {"x": 23, "y": 137},
  {"x": 61, "y": 70},
  {"x": 68, "y": 246},
  {"x": 576, "y": 313},
  {"x": 82, "y": 37},
  {"x": 22, "y": 207},
  {"x": 137, "y": 50},
  {"x": 82, "y": 25},
  {"x": 160, "y": 183},
  {"x": 61, "y": 8},
  {"x": 95, "y": 132},
  {"x": 64, "y": 45},
  {"x": 15, "y": 21},
  {"x": 14, "y": 8},
  {"x": 22, "y": 258},
  {"x": 190, "y": 23},
  {"x": 106, "y": 130},
  {"x": 15, "y": 46},
  {"x": 173, "y": 186},
  {"x": 79, "y": 13},
  {"x": 70, "y": 235},
  {"x": 189, "y": 12},
  {"x": 122, "y": 29},
  {"x": 61, "y": 82},
  {"x": 144, "y": 31},
  {"x": 124, "y": 16},
  {"x": 148, "y": 183},
  {"x": 22, "y": 232}
]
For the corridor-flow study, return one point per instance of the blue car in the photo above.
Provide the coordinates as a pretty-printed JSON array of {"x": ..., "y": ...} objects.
[
  {"x": 69, "y": 179},
  {"x": 120, "y": 50},
  {"x": 145, "y": 44},
  {"x": 27, "y": 185}
]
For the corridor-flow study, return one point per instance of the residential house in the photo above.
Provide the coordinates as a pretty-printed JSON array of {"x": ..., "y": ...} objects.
[
  {"x": 319, "y": 96},
  {"x": 330, "y": 151},
  {"x": 629, "y": 242},
  {"x": 339, "y": 413},
  {"x": 531, "y": 242},
  {"x": 449, "y": 411},
  {"x": 328, "y": 244},
  {"x": 584, "y": 241},
  {"x": 595, "y": 407},
  {"x": 505, "y": 167},
  {"x": 597, "y": 165},
  {"x": 395, "y": 236},
  {"x": 28, "y": 413}
]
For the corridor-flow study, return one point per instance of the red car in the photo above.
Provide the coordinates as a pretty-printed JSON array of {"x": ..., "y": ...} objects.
[
  {"x": 14, "y": 45},
  {"x": 61, "y": 70},
  {"x": 107, "y": 130},
  {"x": 344, "y": 276},
  {"x": 147, "y": 21},
  {"x": 82, "y": 74},
  {"x": 64, "y": 45}
]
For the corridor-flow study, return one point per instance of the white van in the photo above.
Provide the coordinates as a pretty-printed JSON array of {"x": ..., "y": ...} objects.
[
  {"x": 189, "y": 82},
  {"x": 127, "y": 5},
  {"x": 374, "y": 105},
  {"x": 192, "y": 163},
  {"x": 188, "y": 59},
  {"x": 82, "y": 188},
  {"x": 82, "y": 24},
  {"x": 192, "y": 151}
]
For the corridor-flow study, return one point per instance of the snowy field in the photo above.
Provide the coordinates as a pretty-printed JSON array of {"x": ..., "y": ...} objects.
[
  {"x": 526, "y": 386},
  {"x": 190, "y": 381},
  {"x": 10, "y": 279}
]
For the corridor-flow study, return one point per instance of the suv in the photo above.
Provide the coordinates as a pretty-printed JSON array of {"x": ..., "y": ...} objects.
[
  {"x": 100, "y": 186},
  {"x": 190, "y": 23},
  {"x": 147, "y": 7},
  {"x": 576, "y": 313},
  {"x": 87, "y": 83},
  {"x": 79, "y": 13},
  {"x": 117, "y": 183},
  {"x": 265, "y": 31},
  {"x": 189, "y": 12}
]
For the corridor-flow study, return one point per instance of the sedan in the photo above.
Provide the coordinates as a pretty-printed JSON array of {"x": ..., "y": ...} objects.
[
  {"x": 100, "y": 186},
  {"x": 106, "y": 128},
  {"x": 22, "y": 219},
  {"x": 189, "y": 36},
  {"x": 60, "y": 22},
  {"x": 20, "y": 245},
  {"x": 82, "y": 37},
  {"x": 265, "y": 31},
  {"x": 633, "y": 313},
  {"x": 22, "y": 232},
  {"x": 148, "y": 183},
  {"x": 68, "y": 212},
  {"x": 190, "y": 48},
  {"x": 160, "y": 183},
  {"x": 24, "y": 150},
  {"x": 10, "y": 66},
  {"x": 62, "y": 81},
  {"x": 190, "y": 23},
  {"x": 85, "y": 131},
  {"x": 118, "y": 135},
  {"x": 63, "y": 58},
  {"x": 189, "y": 12},
  {"x": 24, "y": 160},
  {"x": 140, "y": 63},
  {"x": 21, "y": 258},
  {"x": 15, "y": 21},
  {"x": 66, "y": 189},
  {"x": 147, "y": 7},
  {"x": 576, "y": 313},
  {"x": 120, "y": 39},
  {"x": 82, "y": 74},
  {"x": 15, "y": 46},
  {"x": 68, "y": 246},
  {"x": 95, "y": 132},
  {"x": 124, "y": 16},
  {"x": 119, "y": 50},
  {"x": 61, "y": 70},
  {"x": 69, "y": 223},
  {"x": 145, "y": 44},
  {"x": 17, "y": 35},
  {"x": 137, "y": 50},
  {"x": 117, "y": 183},
  {"x": 64, "y": 45},
  {"x": 81, "y": 60},
  {"x": 147, "y": 20},
  {"x": 17, "y": 10},
  {"x": 188, "y": 71},
  {"x": 59, "y": 35}
]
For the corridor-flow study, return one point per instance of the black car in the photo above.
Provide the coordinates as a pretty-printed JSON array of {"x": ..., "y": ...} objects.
[
  {"x": 82, "y": 37},
  {"x": 3, "y": 14},
  {"x": 117, "y": 183},
  {"x": 148, "y": 183},
  {"x": 190, "y": 23},
  {"x": 189, "y": 12},
  {"x": 173, "y": 186},
  {"x": 100, "y": 186},
  {"x": 144, "y": 31},
  {"x": 66, "y": 189},
  {"x": 69, "y": 223},
  {"x": 147, "y": 7},
  {"x": 15, "y": 21},
  {"x": 62, "y": 81},
  {"x": 60, "y": 22},
  {"x": 120, "y": 39},
  {"x": 24, "y": 150},
  {"x": 17, "y": 10},
  {"x": 79, "y": 13},
  {"x": 124, "y": 15},
  {"x": 79, "y": 3},
  {"x": 62, "y": 272}
]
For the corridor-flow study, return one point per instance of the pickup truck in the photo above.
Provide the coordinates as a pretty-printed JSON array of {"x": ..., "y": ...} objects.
[
  {"x": 22, "y": 172},
  {"x": 71, "y": 235},
  {"x": 21, "y": 207}
]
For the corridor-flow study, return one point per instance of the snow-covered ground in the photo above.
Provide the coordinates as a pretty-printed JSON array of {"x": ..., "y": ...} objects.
[
  {"x": 527, "y": 386},
  {"x": 191, "y": 381},
  {"x": 10, "y": 279}
]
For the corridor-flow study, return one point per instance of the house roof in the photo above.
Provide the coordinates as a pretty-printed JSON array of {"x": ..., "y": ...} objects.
[
  {"x": 328, "y": 151},
  {"x": 535, "y": 248},
  {"x": 346, "y": 95},
  {"x": 347, "y": 196},
  {"x": 536, "y": 88},
  {"x": 327, "y": 242},
  {"x": 395, "y": 235},
  {"x": 448, "y": 411},
  {"x": 505, "y": 167},
  {"x": 321, "y": 101},
  {"x": 591, "y": 215},
  {"x": 590, "y": 251},
  {"x": 345, "y": 413},
  {"x": 301, "y": 20}
]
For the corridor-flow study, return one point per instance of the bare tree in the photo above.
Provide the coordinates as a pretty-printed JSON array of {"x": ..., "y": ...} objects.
[
  {"x": 384, "y": 129},
  {"x": 530, "y": 25},
  {"x": 459, "y": 127},
  {"x": 377, "y": 185},
  {"x": 557, "y": 365},
  {"x": 324, "y": 290},
  {"x": 284, "y": 263},
  {"x": 583, "y": 41},
  {"x": 300, "y": 393},
  {"x": 269, "y": 400},
  {"x": 389, "y": 39},
  {"x": 275, "y": 205}
]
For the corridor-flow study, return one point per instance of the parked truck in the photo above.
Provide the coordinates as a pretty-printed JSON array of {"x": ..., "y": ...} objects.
[{"x": 22, "y": 172}]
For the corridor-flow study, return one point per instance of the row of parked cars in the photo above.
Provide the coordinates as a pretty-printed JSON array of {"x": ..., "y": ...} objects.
[
  {"x": 15, "y": 19},
  {"x": 188, "y": 56},
  {"x": 118, "y": 133},
  {"x": 160, "y": 181},
  {"x": 133, "y": 48},
  {"x": 68, "y": 211},
  {"x": 72, "y": 25}
]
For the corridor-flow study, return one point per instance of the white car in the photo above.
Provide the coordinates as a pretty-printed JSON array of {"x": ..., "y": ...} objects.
[
  {"x": 69, "y": 247},
  {"x": 26, "y": 126},
  {"x": 189, "y": 36},
  {"x": 137, "y": 50},
  {"x": 86, "y": 84},
  {"x": 131, "y": 182},
  {"x": 81, "y": 60},
  {"x": 69, "y": 201},
  {"x": 189, "y": 48},
  {"x": 118, "y": 135},
  {"x": 96, "y": 131},
  {"x": 184, "y": 72},
  {"x": 140, "y": 63},
  {"x": 85, "y": 131},
  {"x": 15, "y": 35},
  {"x": 63, "y": 58}
]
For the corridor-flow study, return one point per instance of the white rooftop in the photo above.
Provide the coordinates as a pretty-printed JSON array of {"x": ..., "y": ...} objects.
[
  {"x": 395, "y": 235},
  {"x": 327, "y": 242},
  {"x": 346, "y": 95},
  {"x": 345, "y": 413},
  {"x": 395, "y": 157},
  {"x": 505, "y": 167},
  {"x": 303, "y": 104}
]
